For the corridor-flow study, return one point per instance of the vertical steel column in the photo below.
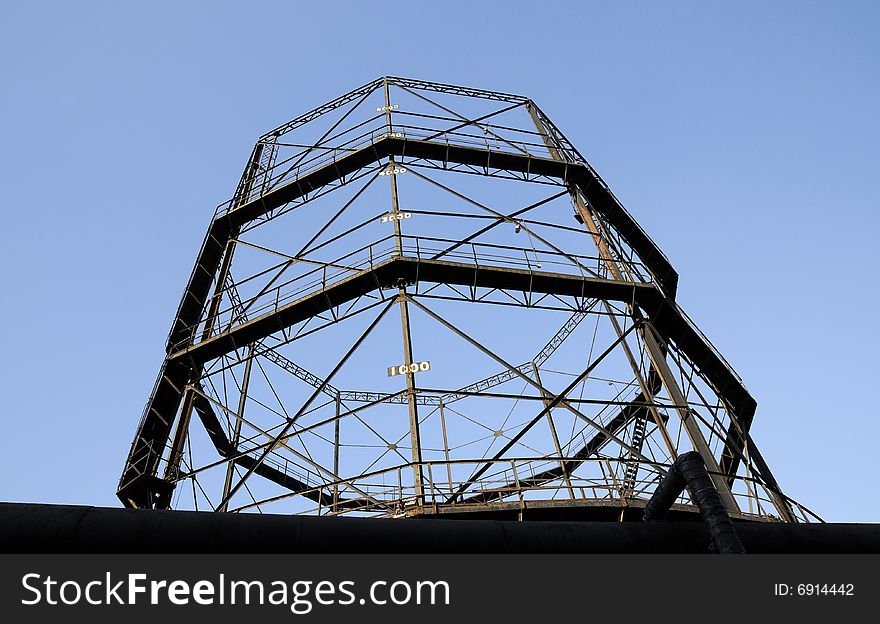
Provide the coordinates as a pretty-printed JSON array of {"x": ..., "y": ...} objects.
[
  {"x": 445, "y": 445},
  {"x": 547, "y": 401},
  {"x": 335, "y": 507},
  {"x": 180, "y": 435},
  {"x": 608, "y": 258},
  {"x": 183, "y": 421},
  {"x": 655, "y": 353},
  {"x": 415, "y": 437},
  {"x": 217, "y": 297},
  {"x": 236, "y": 429},
  {"x": 173, "y": 467}
]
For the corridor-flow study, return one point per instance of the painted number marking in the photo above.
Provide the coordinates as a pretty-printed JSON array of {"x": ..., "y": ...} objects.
[
  {"x": 403, "y": 369},
  {"x": 392, "y": 171},
  {"x": 395, "y": 216}
]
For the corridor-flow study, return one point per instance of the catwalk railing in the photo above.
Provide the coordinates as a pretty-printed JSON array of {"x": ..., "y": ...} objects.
[
  {"x": 312, "y": 157},
  {"x": 367, "y": 257},
  {"x": 391, "y": 492}
]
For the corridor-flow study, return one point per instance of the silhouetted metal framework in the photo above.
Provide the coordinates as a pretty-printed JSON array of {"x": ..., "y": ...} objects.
[{"x": 303, "y": 268}]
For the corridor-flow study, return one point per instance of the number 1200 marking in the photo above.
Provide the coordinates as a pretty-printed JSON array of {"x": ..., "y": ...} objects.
[{"x": 403, "y": 369}]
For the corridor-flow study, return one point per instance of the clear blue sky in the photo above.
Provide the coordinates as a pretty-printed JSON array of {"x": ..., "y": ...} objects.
[{"x": 743, "y": 137}]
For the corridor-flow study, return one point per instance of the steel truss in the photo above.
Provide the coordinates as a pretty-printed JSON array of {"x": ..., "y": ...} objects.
[{"x": 536, "y": 246}]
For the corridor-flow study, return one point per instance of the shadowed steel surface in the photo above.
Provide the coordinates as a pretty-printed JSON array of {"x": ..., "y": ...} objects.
[{"x": 30, "y": 528}]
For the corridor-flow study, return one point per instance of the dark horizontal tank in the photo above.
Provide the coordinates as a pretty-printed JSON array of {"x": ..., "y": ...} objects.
[{"x": 36, "y": 528}]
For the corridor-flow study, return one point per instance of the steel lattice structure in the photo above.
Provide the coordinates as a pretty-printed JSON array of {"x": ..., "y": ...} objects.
[{"x": 369, "y": 330}]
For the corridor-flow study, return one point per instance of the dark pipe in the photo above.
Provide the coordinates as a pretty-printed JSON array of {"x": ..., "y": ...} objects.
[
  {"x": 669, "y": 488},
  {"x": 690, "y": 471},
  {"x": 33, "y": 528}
]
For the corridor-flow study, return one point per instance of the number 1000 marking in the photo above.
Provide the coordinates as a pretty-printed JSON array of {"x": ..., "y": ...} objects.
[{"x": 403, "y": 369}]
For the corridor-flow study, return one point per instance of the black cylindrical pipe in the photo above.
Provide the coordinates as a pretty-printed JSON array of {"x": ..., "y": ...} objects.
[
  {"x": 669, "y": 488},
  {"x": 689, "y": 471},
  {"x": 35, "y": 528}
]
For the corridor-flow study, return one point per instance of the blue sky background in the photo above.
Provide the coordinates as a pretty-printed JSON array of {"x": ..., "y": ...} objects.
[{"x": 743, "y": 137}]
